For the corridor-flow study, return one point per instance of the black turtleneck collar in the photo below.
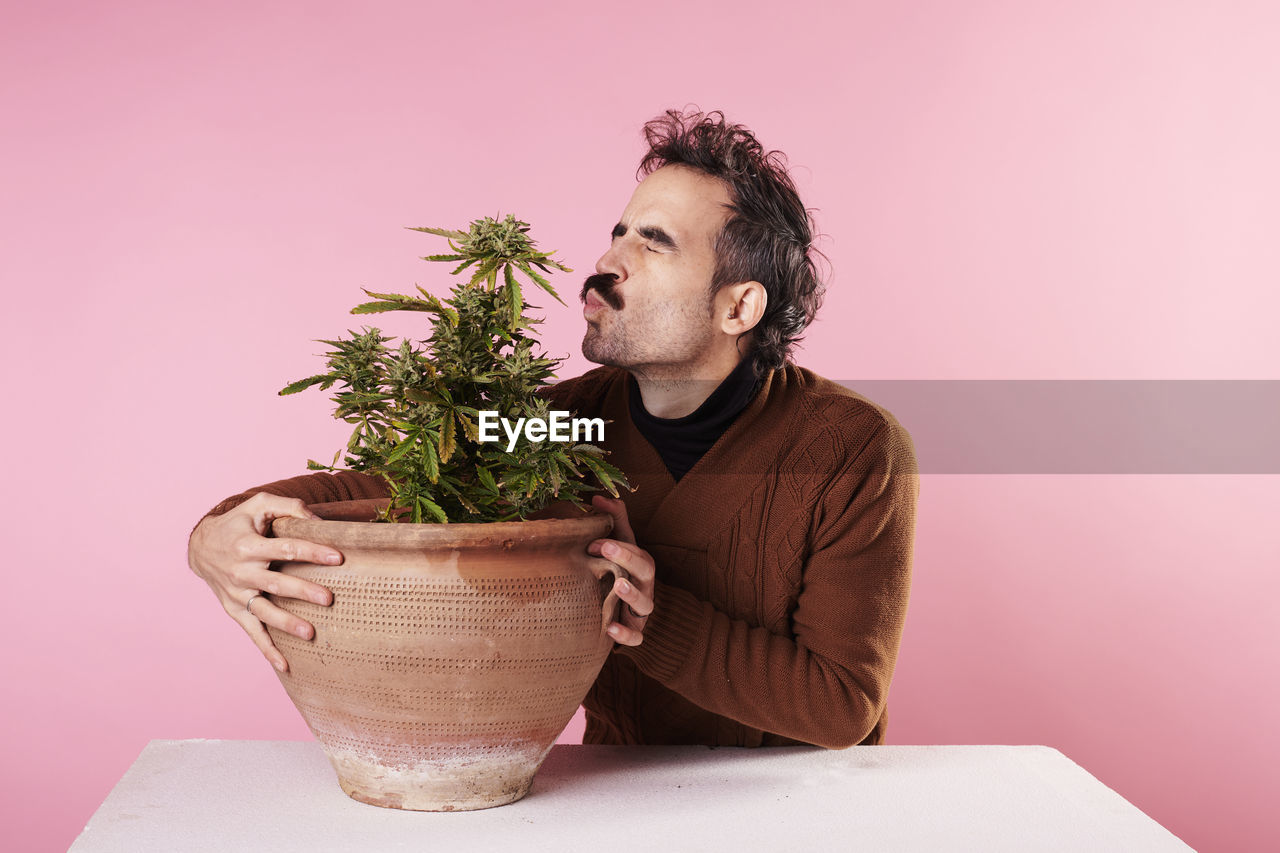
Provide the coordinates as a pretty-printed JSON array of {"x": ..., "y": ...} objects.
[{"x": 681, "y": 442}]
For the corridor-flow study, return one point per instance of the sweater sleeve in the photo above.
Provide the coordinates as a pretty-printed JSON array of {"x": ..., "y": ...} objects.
[{"x": 827, "y": 683}]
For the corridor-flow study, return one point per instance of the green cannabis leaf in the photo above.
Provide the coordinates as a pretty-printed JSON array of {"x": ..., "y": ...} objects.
[{"x": 414, "y": 407}]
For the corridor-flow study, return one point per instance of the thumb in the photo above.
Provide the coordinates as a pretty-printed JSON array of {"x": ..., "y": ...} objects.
[{"x": 621, "y": 524}]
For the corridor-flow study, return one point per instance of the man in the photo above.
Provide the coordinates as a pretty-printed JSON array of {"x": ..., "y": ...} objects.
[{"x": 769, "y": 537}]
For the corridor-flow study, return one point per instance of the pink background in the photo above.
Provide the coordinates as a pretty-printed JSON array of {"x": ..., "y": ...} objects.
[{"x": 1028, "y": 190}]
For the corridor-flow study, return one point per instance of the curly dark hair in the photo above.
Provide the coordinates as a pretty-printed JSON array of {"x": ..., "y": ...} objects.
[{"x": 769, "y": 235}]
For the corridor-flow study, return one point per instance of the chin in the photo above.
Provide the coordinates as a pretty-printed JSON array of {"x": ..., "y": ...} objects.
[
  {"x": 594, "y": 352},
  {"x": 590, "y": 347}
]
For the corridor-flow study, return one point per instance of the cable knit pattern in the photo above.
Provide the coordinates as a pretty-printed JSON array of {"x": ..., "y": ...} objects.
[{"x": 783, "y": 560}]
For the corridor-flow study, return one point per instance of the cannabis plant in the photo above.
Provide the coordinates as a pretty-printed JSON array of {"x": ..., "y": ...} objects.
[{"x": 415, "y": 406}]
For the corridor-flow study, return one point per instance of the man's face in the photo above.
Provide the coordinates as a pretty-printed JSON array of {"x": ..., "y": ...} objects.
[{"x": 649, "y": 306}]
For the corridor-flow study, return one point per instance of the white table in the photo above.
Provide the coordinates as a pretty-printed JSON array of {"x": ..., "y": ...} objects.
[{"x": 194, "y": 795}]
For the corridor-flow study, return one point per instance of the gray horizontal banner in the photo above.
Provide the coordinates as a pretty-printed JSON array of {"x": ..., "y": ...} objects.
[{"x": 1118, "y": 426}]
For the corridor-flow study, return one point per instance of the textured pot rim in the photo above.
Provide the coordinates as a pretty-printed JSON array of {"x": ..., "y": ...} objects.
[{"x": 504, "y": 534}]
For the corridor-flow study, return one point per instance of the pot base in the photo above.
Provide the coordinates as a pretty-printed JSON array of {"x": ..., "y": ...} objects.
[{"x": 464, "y": 783}]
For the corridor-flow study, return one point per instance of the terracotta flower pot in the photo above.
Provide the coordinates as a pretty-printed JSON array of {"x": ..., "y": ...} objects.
[{"x": 453, "y": 655}]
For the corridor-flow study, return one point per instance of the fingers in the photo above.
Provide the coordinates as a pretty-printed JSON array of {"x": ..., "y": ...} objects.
[
  {"x": 600, "y": 567},
  {"x": 257, "y": 631},
  {"x": 637, "y": 604},
  {"x": 288, "y": 586},
  {"x": 621, "y": 524},
  {"x": 260, "y": 612},
  {"x": 288, "y": 551},
  {"x": 264, "y": 508},
  {"x": 263, "y": 612},
  {"x": 636, "y": 607},
  {"x": 232, "y": 555},
  {"x": 625, "y": 636},
  {"x": 275, "y": 506},
  {"x": 635, "y": 560},
  {"x": 634, "y": 589}
]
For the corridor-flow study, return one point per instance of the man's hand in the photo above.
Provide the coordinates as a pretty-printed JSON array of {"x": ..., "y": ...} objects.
[
  {"x": 637, "y": 592},
  {"x": 231, "y": 553}
]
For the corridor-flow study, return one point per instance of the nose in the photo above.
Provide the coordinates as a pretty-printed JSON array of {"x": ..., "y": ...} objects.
[{"x": 612, "y": 262}]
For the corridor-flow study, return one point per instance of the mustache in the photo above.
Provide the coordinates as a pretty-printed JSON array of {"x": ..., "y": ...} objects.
[{"x": 603, "y": 284}]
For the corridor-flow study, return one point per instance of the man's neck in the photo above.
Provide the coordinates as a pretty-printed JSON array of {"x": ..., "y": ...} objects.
[{"x": 668, "y": 394}]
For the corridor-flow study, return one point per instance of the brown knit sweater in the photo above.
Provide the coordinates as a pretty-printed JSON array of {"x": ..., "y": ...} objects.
[{"x": 783, "y": 561}]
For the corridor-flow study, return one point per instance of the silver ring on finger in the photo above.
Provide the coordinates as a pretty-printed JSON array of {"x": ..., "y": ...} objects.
[
  {"x": 248, "y": 605},
  {"x": 635, "y": 614}
]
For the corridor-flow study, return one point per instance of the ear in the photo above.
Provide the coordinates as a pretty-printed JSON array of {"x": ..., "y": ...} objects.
[{"x": 739, "y": 307}]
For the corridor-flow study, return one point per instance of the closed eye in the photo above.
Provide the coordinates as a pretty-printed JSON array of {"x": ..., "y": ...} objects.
[{"x": 649, "y": 232}]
